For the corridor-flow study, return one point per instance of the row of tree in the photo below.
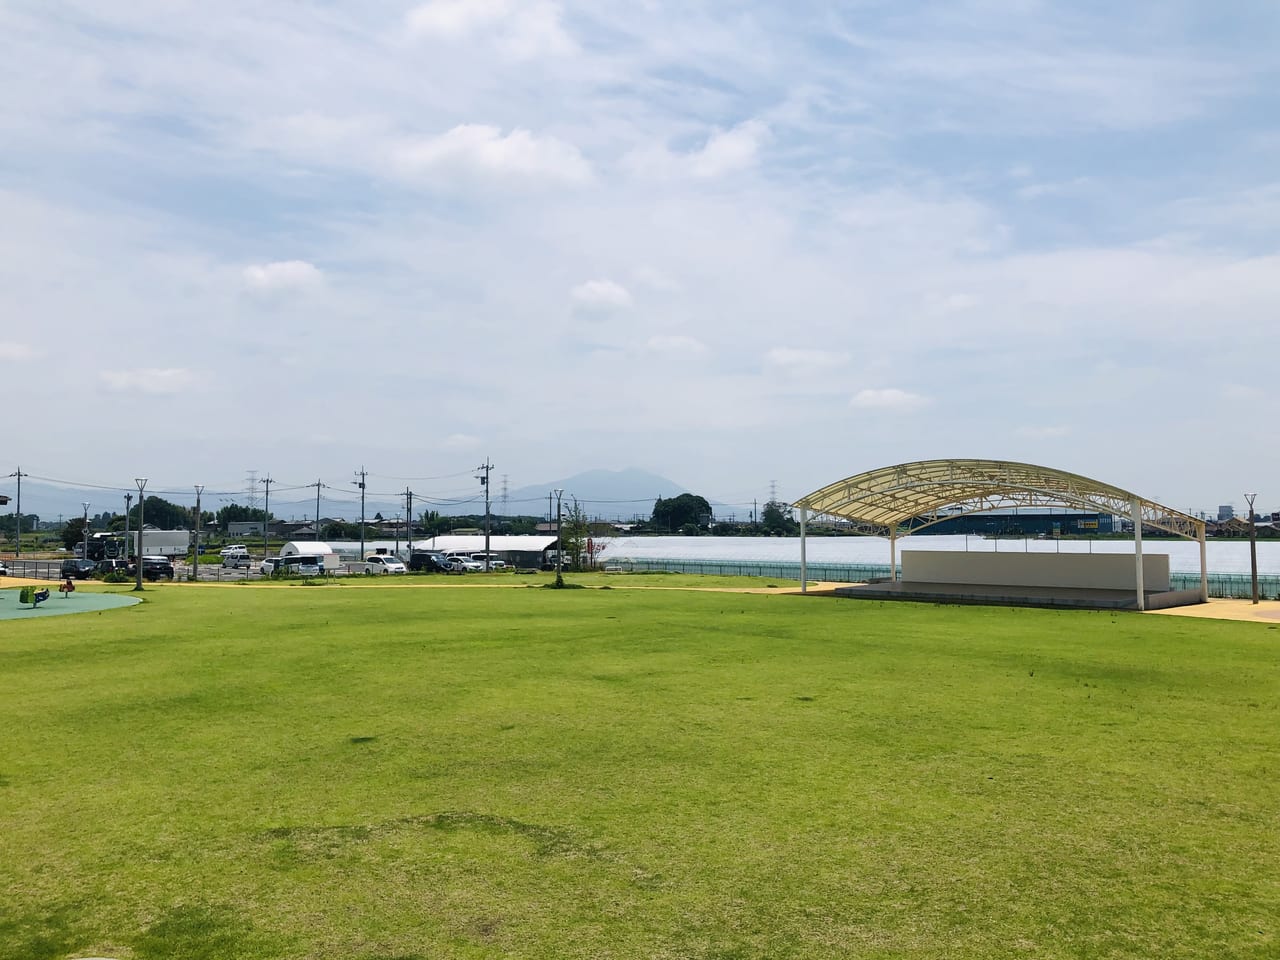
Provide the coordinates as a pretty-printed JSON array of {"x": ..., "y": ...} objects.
[
  {"x": 691, "y": 515},
  {"x": 687, "y": 514}
]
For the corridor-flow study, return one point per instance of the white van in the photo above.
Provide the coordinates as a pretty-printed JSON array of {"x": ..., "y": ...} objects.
[
  {"x": 234, "y": 556},
  {"x": 301, "y": 565}
]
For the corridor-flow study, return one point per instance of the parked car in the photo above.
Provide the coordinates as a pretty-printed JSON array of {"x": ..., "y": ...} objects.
[
  {"x": 153, "y": 568},
  {"x": 383, "y": 563},
  {"x": 494, "y": 562},
  {"x": 466, "y": 564},
  {"x": 235, "y": 556},
  {"x": 4, "y": 571},
  {"x": 78, "y": 569},
  {"x": 300, "y": 565},
  {"x": 115, "y": 566},
  {"x": 429, "y": 562}
]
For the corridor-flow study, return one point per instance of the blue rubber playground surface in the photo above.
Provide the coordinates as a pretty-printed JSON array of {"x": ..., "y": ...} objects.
[{"x": 82, "y": 601}]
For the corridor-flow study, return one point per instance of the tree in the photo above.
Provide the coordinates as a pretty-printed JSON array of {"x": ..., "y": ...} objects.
[
  {"x": 73, "y": 532},
  {"x": 160, "y": 513},
  {"x": 573, "y": 534},
  {"x": 234, "y": 513},
  {"x": 675, "y": 513},
  {"x": 8, "y": 523},
  {"x": 777, "y": 520}
]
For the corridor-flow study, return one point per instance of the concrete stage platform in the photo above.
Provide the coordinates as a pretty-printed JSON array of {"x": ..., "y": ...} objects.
[{"x": 1068, "y": 598}]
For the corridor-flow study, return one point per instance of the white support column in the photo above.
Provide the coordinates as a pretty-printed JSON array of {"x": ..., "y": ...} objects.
[
  {"x": 893, "y": 554},
  {"x": 1136, "y": 512},
  {"x": 804, "y": 568},
  {"x": 1204, "y": 568}
]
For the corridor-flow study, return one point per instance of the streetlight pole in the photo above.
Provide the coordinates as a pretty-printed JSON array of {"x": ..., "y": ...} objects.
[
  {"x": 84, "y": 550},
  {"x": 137, "y": 557},
  {"x": 559, "y": 544},
  {"x": 195, "y": 560},
  {"x": 1253, "y": 546},
  {"x": 360, "y": 483}
]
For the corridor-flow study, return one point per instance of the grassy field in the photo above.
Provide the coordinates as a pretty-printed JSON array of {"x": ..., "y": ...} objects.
[{"x": 385, "y": 774}]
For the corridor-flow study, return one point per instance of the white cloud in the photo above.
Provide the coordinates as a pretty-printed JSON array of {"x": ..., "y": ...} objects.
[
  {"x": 676, "y": 343},
  {"x": 729, "y": 150},
  {"x": 282, "y": 275},
  {"x": 801, "y": 361},
  {"x": 16, "y": 351},
  {"x": 459, "y": 442},
  {"x": 889, "y": 399},
  {"x": 1034, "y": 191},
  {"x": 454, "y": 18},
  {"x": 169, "y": 381},
  {"x": 479, "y": 148},
  {"x": 725, "y": 152},
  {"x": 523, "y": 30},
  {"x": 1044, "y": 433},
  {"x": 600, "y": 295},
  {"x": 1241, "y": 393}
]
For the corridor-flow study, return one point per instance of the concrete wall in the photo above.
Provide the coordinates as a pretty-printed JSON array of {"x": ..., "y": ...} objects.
[{"x": 1096, "y": 571}]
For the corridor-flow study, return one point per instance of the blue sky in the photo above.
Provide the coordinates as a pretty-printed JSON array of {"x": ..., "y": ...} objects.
[{"x": 726, "y": 243}]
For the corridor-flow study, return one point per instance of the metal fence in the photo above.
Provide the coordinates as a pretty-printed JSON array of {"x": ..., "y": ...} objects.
[{"x": 1236, "y": 585}]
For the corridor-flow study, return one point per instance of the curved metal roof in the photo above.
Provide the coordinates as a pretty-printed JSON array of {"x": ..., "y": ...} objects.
[{"x": 915, "y": 495}]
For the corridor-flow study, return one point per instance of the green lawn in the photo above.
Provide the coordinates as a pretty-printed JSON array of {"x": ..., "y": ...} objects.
[{"x": 385, "y": 774}]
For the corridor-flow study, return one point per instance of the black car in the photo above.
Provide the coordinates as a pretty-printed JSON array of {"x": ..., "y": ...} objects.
[
  {"x": 115, "y": 566},
  {"x": 77, "y": 569},
  {"x": 153, "y": 568},
  {"x": 429, "y": 562}
]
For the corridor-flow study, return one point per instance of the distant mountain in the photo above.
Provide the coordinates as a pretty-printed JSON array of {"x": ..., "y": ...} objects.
[
  {"x": 604, "y": 493},
  {"x": 49, "y": 501}
]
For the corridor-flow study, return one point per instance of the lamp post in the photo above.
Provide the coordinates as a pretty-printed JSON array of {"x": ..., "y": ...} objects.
[
  {"x": 361, "y": 473},
  {"x": 1253, "y": 546},
  {"x": 137, "y": 556},
  {"x": 195, "y": 559},
  {"x": 559, "y": 543},
  {"x": 84, "y": 550}
]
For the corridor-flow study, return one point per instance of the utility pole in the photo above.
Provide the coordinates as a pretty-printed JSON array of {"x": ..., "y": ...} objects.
[
  {"x": 128, "y": 499},
  {"x": 195, "y": 559},
  {"x": 266, "y": 516},
  {"x": 408, "y": 520},
  {"x": 316, "y": 526},
  {"x": 559, "y": 544},
  {"x": 360, "y": 483},
  {"x": 137, "y": 557},
  {"x": 17, "y": 527},
  {"x": 484, "y": 482},
  {"x": 1253, "y": 546},
  {"x": 84, "y": 550}
]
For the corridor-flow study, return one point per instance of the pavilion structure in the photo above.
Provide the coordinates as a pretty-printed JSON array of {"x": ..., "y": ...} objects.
[{"x": 895, "y": 502}]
